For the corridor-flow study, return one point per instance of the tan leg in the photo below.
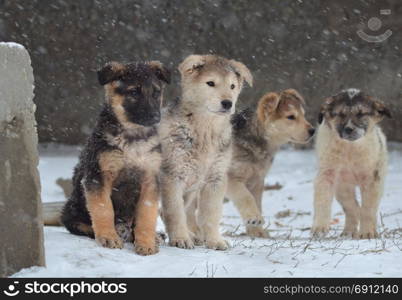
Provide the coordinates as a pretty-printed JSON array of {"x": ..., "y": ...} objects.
[
  {"x": 99, "y": 203},
  {"x": 323, "y": 196},
  {"x": 251, "y": 199},
  {"x": 146, "y": 216},
  {"x": 245, "y": 203},
  {"x": 174, "y": 214},
  {"x": 345, "y": 194},
  {"x": 371, "y": 196},
  {"x": 210, "y": 214},
  {"x": 100, "y": 208}
]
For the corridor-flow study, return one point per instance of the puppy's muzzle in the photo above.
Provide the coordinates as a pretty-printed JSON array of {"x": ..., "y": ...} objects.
[
  {"x": 351, "y": 134},
  {"x": 226, "y": 104}
]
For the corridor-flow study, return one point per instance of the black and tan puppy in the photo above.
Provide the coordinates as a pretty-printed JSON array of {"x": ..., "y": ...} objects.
[{"x": 115, "y": 183}]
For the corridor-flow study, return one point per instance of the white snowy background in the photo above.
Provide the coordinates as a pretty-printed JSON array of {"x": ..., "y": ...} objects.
[{"x": 288, "y": 253}]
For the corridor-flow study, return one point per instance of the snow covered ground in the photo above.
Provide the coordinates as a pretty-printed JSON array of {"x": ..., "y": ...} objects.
[{"x": 289, "y": 252}]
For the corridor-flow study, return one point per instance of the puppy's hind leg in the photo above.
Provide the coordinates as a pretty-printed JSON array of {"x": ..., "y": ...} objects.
[
  {"x": 346, "y": 196},
  {"x": 174, "y": 215},
  {"x": 210, "y": 213},
  {"x": 323, "y": 196}
]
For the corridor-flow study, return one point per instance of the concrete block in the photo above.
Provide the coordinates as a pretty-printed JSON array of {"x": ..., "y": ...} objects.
[{"x": 21, "y": 229}]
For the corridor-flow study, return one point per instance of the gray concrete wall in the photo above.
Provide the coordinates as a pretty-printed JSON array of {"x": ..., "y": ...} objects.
[
  {"x": 308, "y": 45},
  {"x": 21, "y": 236}
]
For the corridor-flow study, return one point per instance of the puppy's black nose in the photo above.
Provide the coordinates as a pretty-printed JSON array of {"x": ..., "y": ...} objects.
[
  {"x": 226, "y": 104},
  {"x": 311, "y": 131},
  {"x": 348, "y": 130}
]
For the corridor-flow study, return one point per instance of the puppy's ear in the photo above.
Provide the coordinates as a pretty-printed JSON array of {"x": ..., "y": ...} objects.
[
  {"x": 243, "y": 71},
  {"x": 161, "y": 72},
  {"x": 382, "y": 109},
  {"x": 267, "y": 105},
  {"x": 191, "y": 64},
  {"x": 295, "y": 94},
  {"x": 110, "y": 72},
  {"x": 324, "y": 109}
]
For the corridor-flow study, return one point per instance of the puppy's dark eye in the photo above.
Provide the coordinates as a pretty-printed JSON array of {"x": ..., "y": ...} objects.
[
  {"x": 360, "y": 115},
  {"x": 232, "y": 86},
  {"x": 291, "y": 117},
  {"x": 211, "y": 83}
]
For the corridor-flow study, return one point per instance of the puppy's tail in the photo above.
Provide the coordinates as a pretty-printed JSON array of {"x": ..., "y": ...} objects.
[
  {"x": 53, "y": 216},
  {"x": 52, "y": 213},
  {"x": 52, "y": 210}
]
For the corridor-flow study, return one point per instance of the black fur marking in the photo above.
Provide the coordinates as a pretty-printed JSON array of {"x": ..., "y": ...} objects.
[
  {"x": 126, "y": 193},
  {"x": 239, "y": 120}
]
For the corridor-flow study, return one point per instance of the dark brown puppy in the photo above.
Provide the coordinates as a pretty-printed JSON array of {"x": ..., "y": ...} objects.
[{"x": 115, "y": 184}]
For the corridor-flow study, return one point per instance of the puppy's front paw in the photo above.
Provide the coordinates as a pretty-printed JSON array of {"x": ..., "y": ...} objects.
[
  {"x": 197, "y": 239},
  {"x": 255, "y": 221},
  {"x": 217, "y": 244},
  {"x": 146, "y": 249},
  {"x": 257, "y": 231},
  {"x": 351, "y": 234},
  {"x": 111, "y": 240},
  {"x": 368, "y": 234},
  {"x": 184, "y": 243},
  {"x": 319, "y": 231}
]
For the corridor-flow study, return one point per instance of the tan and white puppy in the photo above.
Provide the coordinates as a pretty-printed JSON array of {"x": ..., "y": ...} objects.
[
  {"x": 196, "y": 149},
  {"x": 352, "y": 153},
  {"x": 257, "y": 136}
]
